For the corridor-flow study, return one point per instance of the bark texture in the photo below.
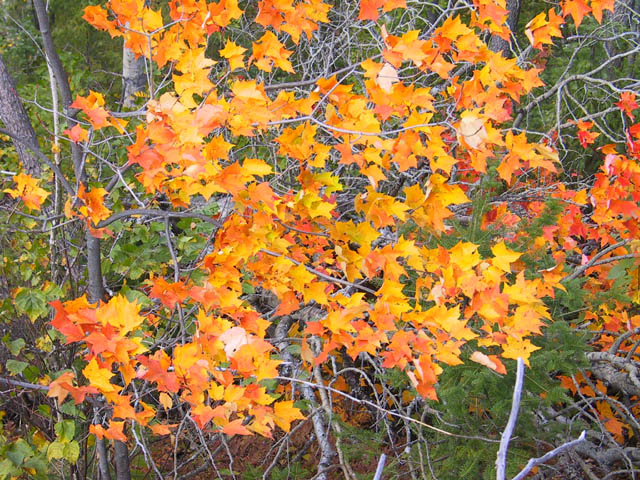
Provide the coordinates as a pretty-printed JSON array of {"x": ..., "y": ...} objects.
[
  {"x": 134, "y": 78},
  {"x": 498, "y": 44},
  {"x": 16, "y": 120}
]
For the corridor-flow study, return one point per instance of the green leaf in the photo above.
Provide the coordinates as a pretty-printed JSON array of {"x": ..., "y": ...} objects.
[
  {"x": 65, "y": 430},
  {"x": 136, "y": 296},
  {"x": 55, "y": 450},
  {"x": 31, "y": 373},
  {"x": 39, "y": 464},
  {"x": 269, "y": 383},
  {"x": 16, "y": 346},
  {"x": 32, "y": 302},
  {"x": 620, "y": 268},
  {"x": 69, "y": 408},
  {"x": 247, "y": 288},
  {"x": 7, "y": 469},
  {"x": 15, "y": 367},
  {"x": 71, "y": 452},
  {"x": 45, "y": 410},
  {"x": 53, "y": 292},
  {"x": 19, "y": 451}
]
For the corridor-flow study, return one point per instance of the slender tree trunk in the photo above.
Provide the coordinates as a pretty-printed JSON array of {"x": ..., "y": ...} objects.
[
  {"x": 103, "y": 459},
  {"x": 16, "y": 120},
  {"x": 499, "y": 44},
  {"x": 121, "y": 459},
  {"x": 96, "y": 286},
  {"x": 134, "y": 78}
]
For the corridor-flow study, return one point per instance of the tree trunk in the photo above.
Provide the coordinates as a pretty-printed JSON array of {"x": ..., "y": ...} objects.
[
  {"x": 16, "y": 120},
  {"x": 96, "y": 286},
  {"x": 499, "y": 44},
  {"x": 121, "y": 460},
  {"x": 103, "y": 460},
  {"x": 134, "y": 78}
]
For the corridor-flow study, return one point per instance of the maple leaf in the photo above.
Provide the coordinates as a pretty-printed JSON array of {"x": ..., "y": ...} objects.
[
  {"x": 598, "y": 7},
  {"x": 93, "y": 107},
  {"x": 453, "y": 27},
  {"x": 28, "y": 190},
  {"x": 503, "y": 257},
  {"x": 269, "y": 52},
  {"x": 114, "y": 432},
  {"x": 540, "y": 31},
  {"x": 155, "y": 368},
  {"x": 59, "y": 388},
  {"x": 94, "y": 207},
  {"x": 257, "y": 167},
  {"x": 170, "y": 294},
  {"x": 585, "y": 136},
  {"x": 234, "y": 53},
  {"x": 515, "y": 349},
  {"x": 236, "y": 427},
  {"x": 151, "y": 20},
  {"x": 285, "y": 413},
  {"x": 387, "y": 77},
  {"x": 393, "y": 4},
  {"x": 369, "y": 9},
  {"x": 97, "y": 16},
  {"x": 99, "y": 377},
  {"x": 577, "y": 9},
  {"x": 234, "y": 339},
  {"x": 221, "y": 13},
  {"x": 120, "y": 313},
  {"x": 627, "y": 103},
  {"x": 490, "y": 361},
  {"x": 473, "y": 131},
  {"x": 63, "y": 386},
  {"x": 160, "y": 429},
  {"x": 77, "y": 133}
]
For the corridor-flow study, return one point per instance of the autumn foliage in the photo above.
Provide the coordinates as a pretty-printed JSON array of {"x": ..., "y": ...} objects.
[{"x": 357, "y": 200}]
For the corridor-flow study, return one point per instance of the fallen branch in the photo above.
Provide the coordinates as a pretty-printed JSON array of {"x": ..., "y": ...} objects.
[
  {"x": 534, "y": 462},
  {"x": 501, "y": 461}
]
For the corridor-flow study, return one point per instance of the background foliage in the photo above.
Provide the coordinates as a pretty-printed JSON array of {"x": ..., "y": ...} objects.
[{"x": 306, "y": 260}]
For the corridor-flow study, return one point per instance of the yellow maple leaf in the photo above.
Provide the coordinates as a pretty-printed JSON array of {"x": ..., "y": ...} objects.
[
  {"x": 255, "y": 166},
  {"x": 99, "y": 377},
  {"x": 504, "y": 257},
  {"x": 515, "y": 349},
  {"x": 285, "y": 413},
  {"x": 234, "y": 54},
  {"x": 120, "y": 313}
]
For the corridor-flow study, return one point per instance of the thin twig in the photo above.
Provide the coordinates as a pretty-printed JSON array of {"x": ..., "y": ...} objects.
[{"x": 384, "y": 410}]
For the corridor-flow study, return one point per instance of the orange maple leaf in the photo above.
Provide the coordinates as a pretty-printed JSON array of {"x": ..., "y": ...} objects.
[
  {"x": 96, "y": 16},
  {"x": 369, "y": 9},
  {"x": 94, "y": 207},
  {"x": 627, "y": 103},
  {"x": 577, "y": 9},
  {"x": 540, "y": 31},
  {"x": 114, "y": 432},
  {"x": 77, "y": 133},
  {"x": 599, "y": 6},
  {"x": 235, "y": 427},
  {"x": 28, "y": 190},
  {"x": 269, "y": 52}
]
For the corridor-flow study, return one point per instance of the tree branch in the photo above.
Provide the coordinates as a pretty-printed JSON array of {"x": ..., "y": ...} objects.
[{"x": 501, "y": 461}]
